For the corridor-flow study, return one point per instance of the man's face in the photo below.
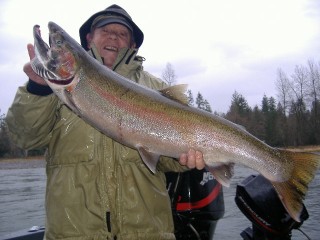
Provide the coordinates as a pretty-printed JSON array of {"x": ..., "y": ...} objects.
[{"x": 109, "y": 39}]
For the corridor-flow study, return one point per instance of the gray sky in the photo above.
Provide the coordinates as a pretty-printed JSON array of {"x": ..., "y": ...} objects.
[{"x": 215, "y": 46}]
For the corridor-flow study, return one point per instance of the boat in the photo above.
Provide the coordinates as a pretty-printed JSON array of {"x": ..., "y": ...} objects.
[{"x": 32, "y": 233}]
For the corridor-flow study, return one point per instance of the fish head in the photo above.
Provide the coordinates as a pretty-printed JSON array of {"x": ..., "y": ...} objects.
[{"x": 57, "y": 62}]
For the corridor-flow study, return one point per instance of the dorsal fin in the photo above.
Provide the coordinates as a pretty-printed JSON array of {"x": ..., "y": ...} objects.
[{"x": 177, "y": 93}]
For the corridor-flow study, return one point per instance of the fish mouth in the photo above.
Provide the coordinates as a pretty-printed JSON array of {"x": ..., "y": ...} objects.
[
  {"x": 53, "y": 62},
  {"x": 61, "y": 82}
]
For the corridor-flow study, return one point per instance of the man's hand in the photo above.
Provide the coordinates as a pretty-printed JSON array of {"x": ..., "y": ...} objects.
[
  {"x": 192, "y": 159},
  {"x": 28, "y": 69}
]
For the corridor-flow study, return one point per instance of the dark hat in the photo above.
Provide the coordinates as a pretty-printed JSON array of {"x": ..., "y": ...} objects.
[
  {"x": 103, "y": 20},
  {"x": 117, "y": 15}
]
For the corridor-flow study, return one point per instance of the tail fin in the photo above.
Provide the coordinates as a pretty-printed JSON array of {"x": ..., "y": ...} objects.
[{"x": 292, "y": 192}]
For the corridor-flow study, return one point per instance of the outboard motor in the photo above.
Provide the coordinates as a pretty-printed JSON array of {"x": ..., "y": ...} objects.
[
  {"x": 259, "y": 202},
  {"x": 197, "y": 203}
]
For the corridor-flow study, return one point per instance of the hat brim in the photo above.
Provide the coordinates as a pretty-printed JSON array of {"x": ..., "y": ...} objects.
[
  {"x": 104, "y": 22},
  {"x": 86, "y": 27}
]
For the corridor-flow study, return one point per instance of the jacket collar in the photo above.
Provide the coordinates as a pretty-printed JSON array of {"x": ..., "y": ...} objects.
[{"x": 126, "y": 56}]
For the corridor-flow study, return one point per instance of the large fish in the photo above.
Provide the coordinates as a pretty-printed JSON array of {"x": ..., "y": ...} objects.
[{"x": 155, "y": 124}]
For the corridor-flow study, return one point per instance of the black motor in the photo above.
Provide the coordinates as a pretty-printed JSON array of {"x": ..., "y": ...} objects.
[
  {"x": 197, "y": 203},
  {"x": 259, "y": 202}
]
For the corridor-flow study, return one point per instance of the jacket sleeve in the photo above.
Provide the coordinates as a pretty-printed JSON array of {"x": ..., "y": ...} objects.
[{"x": 31, "y": 117}]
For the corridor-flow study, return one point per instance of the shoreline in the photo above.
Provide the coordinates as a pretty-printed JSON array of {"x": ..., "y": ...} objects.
[
  {"x": 22, "y": 163},
  {"x": 23, "y": 159}
]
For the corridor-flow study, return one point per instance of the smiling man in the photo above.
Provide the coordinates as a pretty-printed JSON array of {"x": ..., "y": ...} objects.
[
  {"x": 109, "y": 34},
  {"x": 96, "y": 187}
]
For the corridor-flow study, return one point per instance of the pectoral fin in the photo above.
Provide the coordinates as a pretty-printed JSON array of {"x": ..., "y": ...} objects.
[
  {"x": 149, "y": 158},
  {"x": 222, "y": 173}
]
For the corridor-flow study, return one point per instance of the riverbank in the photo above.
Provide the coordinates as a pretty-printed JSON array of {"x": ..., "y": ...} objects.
[{"x": 22, "y": 163}]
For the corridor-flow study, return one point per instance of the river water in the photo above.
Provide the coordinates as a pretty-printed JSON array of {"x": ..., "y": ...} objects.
[{"x": 22, "y": 191}]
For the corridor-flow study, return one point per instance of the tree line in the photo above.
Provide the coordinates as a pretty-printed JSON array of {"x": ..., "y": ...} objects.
[{"x": 291, "y": 119}]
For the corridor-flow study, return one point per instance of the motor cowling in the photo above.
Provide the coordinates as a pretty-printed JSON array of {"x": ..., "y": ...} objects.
[
  {"x": 197, "y": 203},
  {"x": 260, "y": 203}
]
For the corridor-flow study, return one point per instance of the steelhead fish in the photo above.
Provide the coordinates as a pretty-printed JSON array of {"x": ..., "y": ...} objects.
[{"x": 159, "y": 123}]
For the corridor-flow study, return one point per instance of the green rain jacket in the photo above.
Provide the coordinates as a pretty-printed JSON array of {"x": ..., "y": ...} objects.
[{"x": 96, "y": 187}]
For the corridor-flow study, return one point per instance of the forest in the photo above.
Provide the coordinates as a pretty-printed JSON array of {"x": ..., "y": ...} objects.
[{"x": 292, "y": 118}]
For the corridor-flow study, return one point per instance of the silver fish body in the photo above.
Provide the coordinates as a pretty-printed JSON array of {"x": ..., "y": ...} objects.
[{"x": 155, "y": 124}]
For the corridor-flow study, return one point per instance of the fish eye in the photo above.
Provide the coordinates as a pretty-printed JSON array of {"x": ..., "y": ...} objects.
[{"x": 59, "y": 42}]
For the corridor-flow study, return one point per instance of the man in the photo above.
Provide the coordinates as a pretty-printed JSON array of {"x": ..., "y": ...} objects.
[{"x": 96, "y": 187}]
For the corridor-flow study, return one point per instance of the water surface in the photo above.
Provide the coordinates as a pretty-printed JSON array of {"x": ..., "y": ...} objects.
[{"x": 22, "y": 191}]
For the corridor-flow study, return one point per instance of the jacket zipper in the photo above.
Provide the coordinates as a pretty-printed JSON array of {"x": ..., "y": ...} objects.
[{"x": 115, "y": 67}]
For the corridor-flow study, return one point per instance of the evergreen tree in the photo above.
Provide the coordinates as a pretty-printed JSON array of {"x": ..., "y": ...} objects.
[
  {"x": 271, "y": 121},
  {"x": 207, "y": 106},
  {"x": 200, "y": 101},
  {"x": 239, "y": 111},
  {"x": 265, "y": 104},
  {"x": 282, "y": 126},
  {"x": 315, "y": 123},
  {"x": 190, "y": 98},
  {"x": 257, "y": 124},
  {"x": 4, "y": 137},
  {"x": 298, "y": 122}
]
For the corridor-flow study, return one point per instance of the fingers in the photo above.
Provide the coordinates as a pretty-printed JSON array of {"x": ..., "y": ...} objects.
[
  {"x": 200, "y": 164},
  {"x": 31, "y": 52},
  {"x": 183, "y": 159},
  {"x": 193, "y": 159},
  {"x": 191, "y": 163},
  {"x": 28, "y": 69}
]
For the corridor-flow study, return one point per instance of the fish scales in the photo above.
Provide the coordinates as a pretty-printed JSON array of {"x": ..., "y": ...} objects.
[
  {"x": 136, "y": 119},
  {"x": 154, "y": 124}
]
